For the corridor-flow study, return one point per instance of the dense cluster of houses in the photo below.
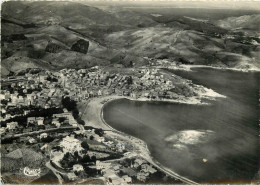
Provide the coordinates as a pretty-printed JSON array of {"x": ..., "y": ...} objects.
[
  {"x": 34, "y": 90},
  {"x": 149, "y": 83},
  {"x": 37, "y": 123}
]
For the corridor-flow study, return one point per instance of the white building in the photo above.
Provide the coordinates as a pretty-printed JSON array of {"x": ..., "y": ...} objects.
[
  {"x": 99, "y": 93},
  {"x": 78, "y": 167},
  {"x": 31, "y": 120},
  {"x": 40, "y": 120},
  {"x": 31, "y": 140},
  {"x": 11, "y": 125},
  {"x": 43, "y": 135},
  {"x": 2, "y": 96},
  {"x": 71, "y": 144},
  {"x": 100, "y": 139}
]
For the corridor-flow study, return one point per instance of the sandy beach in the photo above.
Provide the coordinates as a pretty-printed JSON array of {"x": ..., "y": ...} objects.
[{"x": 91, "y": 111}]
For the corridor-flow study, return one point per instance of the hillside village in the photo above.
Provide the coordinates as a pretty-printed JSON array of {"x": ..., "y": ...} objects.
[{"x": 40, "y": 117}]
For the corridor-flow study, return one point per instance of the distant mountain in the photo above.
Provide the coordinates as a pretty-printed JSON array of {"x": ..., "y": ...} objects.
[
  {"x": 45, "y": 34},
  {"x": 246, "y": 22},
  {"x": 177, "y": 43}
]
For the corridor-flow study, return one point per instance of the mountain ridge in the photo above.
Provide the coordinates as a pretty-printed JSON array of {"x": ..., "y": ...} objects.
[{"x": 117, "y": 36}]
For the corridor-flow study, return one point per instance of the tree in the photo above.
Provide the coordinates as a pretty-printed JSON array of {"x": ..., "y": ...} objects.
[
  {"x": 52, "y": 79},
  {"x": 91, "y": 171},
  {"x": 131, "y": 64},
  {"x": 61, "y": 119},
  {"x": 99, "y": 132},
  {"x": 76, "y": 154},
  {"x": 94, "y": 159},
  {"x": 85, "y": 145},
  {"x": 66, "y": 156},
  {"x": 4, "y": 102},
  {"x": 69, "y": 104},
  {"x": 129, "y": 80},
  {"x": 58, "y": 148},
  {"x": 48, "y": 139},
  {"x": 82, "y": 122},
  {"x": 75, "y": 113},
  {"x": 86, "y": 159}
]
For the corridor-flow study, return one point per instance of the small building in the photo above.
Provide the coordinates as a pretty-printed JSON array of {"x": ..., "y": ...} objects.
[
  {"x": 78, "y": 167},
  {"x": 31, "y": 120},
  {"x": 43, "y": 135},
  {"x": 39, "y": 120},
  {"x": 31, "y": 140},
  {"x": 99, "y": 93},
  {"x": 25, "y": 112},
  {"x": 100, "y": 139},
  {"x": 72, "y": 176},
  {"x": 11, "y": 125}
]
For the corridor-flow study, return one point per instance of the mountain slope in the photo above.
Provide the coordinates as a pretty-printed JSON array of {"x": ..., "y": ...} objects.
[
  {"x": 176, "y": 43},
  {"x": 44, "y": 33},
  {"x": 28, "y": 27}
]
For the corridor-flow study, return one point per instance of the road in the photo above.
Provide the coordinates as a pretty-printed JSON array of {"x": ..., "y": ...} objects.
[
  {"x": 48, "y": 165},
  {"x": 38, "y": 132}
]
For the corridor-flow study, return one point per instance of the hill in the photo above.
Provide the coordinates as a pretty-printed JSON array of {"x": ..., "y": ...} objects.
[
  {"x": 29, "y": 27},
  {"x": 177, "y": 43},
  {"x": 241, "y": 23},
  {"x": 45, "y": 34}
]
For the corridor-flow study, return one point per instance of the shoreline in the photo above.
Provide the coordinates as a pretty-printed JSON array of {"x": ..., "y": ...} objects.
[
  {"x": 91, "y": 108},
  {"x": 97, "y": 105},
  {"x": 189, "y": 68}
]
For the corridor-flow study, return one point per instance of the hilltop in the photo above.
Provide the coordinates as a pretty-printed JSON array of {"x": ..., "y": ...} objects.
[{"x": 245, "y": 23}]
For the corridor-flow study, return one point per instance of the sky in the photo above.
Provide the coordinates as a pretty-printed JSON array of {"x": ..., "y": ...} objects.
[{"x": 212, "y": 4}]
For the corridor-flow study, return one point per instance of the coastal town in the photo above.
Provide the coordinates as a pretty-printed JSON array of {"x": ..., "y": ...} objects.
[
  {"x": 45, "y": 129},
  {"x": 129, "y": 92}
]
